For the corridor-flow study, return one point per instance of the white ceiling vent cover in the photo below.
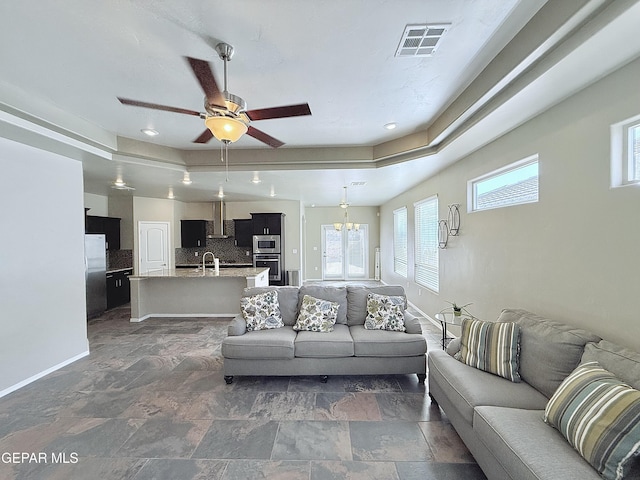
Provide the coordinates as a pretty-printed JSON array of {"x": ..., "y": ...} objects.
[{"x": 421, "y": 40}]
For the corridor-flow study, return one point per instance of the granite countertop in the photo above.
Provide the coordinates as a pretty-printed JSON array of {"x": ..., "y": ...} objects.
[
  {"x": 242, "y": 272},
  {"x": 210, "y": 264},
  {"x": 116, "y": 270}
]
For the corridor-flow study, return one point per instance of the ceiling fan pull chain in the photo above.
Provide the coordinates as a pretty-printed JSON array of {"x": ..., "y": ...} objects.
[{"x": 226, "y": 164}]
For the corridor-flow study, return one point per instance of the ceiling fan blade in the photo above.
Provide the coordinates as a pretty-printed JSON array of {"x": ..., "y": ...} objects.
[
  {"x": 202, "y": 71},
  {"x": 263, "y": 137},
  {"x": 279, "y": 112},
  {"x": 155, "y": 106},
  {"x": 204, "y": 137}
]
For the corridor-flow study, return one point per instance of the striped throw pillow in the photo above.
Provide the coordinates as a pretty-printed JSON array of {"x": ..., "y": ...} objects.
[
  {"x": 491, "y": 346},
  {"x": 600, "y": 417}
]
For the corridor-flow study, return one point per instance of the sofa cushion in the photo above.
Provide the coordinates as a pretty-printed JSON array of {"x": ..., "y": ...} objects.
[
  {"x": 385, "y": 312},
  {"x": 337, "y": 343},
  {"x": 261, "y": 311},
  {"x": 275, "y": 343},
  {"x": 287, "y": 300},
  {"x": 383, "y": 343},
  {"x": 467, "y": 387},
  {"x": 316, "y": 315},
  {"x": 622, "y": 362},
  {"x": 527, "y": 447},
  {"x": 549, "y": 350},
  {"x": 357, "y": 297},
  {"x": 600, "y": 417},
  {"x": 490, "y": 346},
  {"x": 332, "y": 294}
]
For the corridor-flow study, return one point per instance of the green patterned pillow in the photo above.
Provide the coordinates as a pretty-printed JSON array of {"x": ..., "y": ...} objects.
[
  {"x": 261, "y": 311},
  {"x": 385, "y": 312},
  {"x": 491, "y": 346},
  {"x": 317, "y": 315},
  {"x": 600, "y": 417}
]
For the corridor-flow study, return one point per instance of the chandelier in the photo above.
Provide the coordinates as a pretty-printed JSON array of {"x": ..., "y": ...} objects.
[{"x": 347, "y": 225}]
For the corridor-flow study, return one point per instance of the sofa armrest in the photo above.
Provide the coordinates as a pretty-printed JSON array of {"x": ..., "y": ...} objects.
[
  {"x": 411, "y": 323},
  {"x": 454, "y": 346},
  {"x": 238, "y": 326}
]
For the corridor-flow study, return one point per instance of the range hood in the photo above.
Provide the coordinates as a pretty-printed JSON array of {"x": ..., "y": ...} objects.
[{"x": 219, "y": 216}]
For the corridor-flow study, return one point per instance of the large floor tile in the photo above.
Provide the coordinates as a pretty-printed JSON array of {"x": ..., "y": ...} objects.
[
  {"x": 165, "y": 438},
  {"x": 182, "y": 469},
  {"x": 347, "y": 406},
  {"x": 388, "y": 441},
  {"x": 266, "y": 470},
  {"x": 248, "y": 439},
  {"x": 439, "y": 471},
  {"x": 353, "y": 471},
  {"x": 312, "y": 440}
]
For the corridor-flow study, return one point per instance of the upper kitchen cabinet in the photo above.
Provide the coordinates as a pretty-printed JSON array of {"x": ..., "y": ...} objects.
[
  {"x": 267, "y": 223},
  {"x": 109, "y": 226},
  {"x": 193, "y": 233},
  {"x": 243, "y": 232}
]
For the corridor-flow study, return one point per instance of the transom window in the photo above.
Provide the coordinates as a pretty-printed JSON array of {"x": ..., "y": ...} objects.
[
  {"x": 625, "y": 152},
  {"x": 512, "y": 185}
]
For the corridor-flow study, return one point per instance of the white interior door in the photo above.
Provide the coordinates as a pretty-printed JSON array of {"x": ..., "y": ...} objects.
[
  {"x": 345, "y": 253},
  {"x": 153, "y": 247}
]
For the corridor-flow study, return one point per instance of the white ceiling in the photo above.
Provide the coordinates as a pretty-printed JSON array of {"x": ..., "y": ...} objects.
[{"x": 64, "y": 62}]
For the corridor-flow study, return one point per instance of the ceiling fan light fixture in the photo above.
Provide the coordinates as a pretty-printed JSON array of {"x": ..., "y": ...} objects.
[{"x": 226, "y": 129}]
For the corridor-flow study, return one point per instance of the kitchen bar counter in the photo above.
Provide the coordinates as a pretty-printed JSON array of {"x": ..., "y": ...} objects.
[
  {"x": 190, "y": 293},
  {"x": 195, "y": 272}
]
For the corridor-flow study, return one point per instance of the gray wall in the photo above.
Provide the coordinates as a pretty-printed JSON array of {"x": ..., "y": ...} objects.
[
  {"x": 571, "y": 256},
  {"x": 42, "y": 294}
]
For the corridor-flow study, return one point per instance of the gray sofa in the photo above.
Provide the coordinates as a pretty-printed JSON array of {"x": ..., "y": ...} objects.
[
  {"x": 502, "y": 422},
  {"x": 349, "y": 349}
]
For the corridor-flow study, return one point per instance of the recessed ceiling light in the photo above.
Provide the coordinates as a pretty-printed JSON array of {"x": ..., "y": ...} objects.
[
  {"x": 220, "y": 192},
  {"x": 256, "y": 178},
  {"x": 391, "y": 126},
  {"x": 171, "y": 196},
  {"x": 150, "y": 132},
  {"x": 186, "y": 179}
]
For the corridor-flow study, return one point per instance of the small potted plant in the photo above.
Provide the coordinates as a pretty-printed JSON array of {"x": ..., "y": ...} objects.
[{"x": 458, "y": 309}]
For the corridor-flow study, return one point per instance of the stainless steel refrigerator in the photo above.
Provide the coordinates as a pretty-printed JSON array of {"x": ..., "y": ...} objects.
[{"x": 95, "y": 265}]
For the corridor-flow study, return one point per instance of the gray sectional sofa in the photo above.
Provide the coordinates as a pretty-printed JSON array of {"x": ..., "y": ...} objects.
[
  {"x": 502, "y": 422},
  {"x": 349, "y": 349}
]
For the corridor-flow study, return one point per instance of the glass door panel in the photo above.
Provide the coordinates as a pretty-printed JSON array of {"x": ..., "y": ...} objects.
[
  {"x": 332, "y": 255},
  {"x": 345, "y": 253}
]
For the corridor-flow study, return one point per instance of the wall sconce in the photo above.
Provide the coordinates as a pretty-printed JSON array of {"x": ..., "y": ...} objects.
[
  {"x": 443, "y": 234},
  {"x": 453, "y": 219}
]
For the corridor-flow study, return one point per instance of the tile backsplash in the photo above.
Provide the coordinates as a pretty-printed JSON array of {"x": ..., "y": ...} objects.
[
  {"x": 222, "y": 248},
  {"x": 119, "y": 259}
]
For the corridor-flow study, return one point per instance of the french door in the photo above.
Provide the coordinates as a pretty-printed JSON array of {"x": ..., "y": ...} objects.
[{"x": 345, "y": 253}]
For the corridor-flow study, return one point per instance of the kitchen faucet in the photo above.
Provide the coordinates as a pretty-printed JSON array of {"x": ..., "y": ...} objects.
[{"x": 213, "y": 257}]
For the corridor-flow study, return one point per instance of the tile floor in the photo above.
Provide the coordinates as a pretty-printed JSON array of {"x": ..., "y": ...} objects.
[{"x": 150, "y": 402}]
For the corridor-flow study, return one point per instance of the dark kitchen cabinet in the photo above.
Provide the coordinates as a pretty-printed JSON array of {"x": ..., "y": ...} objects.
[
  {"x": 193, "y": 233},
  {"x": 109, "y": 226},
  {"x": 243, "y": 232},
  {"x": 118, "y": 288},
  {"x": 267, "y": 223}
]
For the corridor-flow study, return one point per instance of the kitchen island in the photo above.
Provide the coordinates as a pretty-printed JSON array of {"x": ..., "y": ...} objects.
[{"x": 192, "y": 292}]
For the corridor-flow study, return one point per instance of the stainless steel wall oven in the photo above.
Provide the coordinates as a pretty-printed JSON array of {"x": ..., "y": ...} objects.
[{"x": 272, "y": 261}]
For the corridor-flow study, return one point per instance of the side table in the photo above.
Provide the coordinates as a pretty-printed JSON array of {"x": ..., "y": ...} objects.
[{"x": 448, "y": 318}]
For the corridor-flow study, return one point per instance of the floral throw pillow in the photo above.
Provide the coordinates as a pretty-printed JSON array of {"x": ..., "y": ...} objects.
[
  {"x": 385, "y": 312},
  {"x": 261, "y": 311},
  {"x": 316, "y": 315}
]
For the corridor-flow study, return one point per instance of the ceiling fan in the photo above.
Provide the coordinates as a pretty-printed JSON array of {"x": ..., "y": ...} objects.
[{"x": 226, "y": 115}]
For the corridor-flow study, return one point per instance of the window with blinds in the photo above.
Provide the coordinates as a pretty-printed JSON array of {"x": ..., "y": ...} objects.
[
  {"x": 633, "y": 153},
  {"x": 426, "y": 254},
  {"x": 400, "y": 241}
]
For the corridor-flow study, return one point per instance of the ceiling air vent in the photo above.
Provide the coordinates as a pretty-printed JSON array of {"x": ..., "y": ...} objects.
[{"x": 420, "y": 40}]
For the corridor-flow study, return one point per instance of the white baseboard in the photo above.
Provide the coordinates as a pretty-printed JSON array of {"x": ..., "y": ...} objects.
[
  {"x": 46, "y": 372},
  {"x": 182, "y": 315}
]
